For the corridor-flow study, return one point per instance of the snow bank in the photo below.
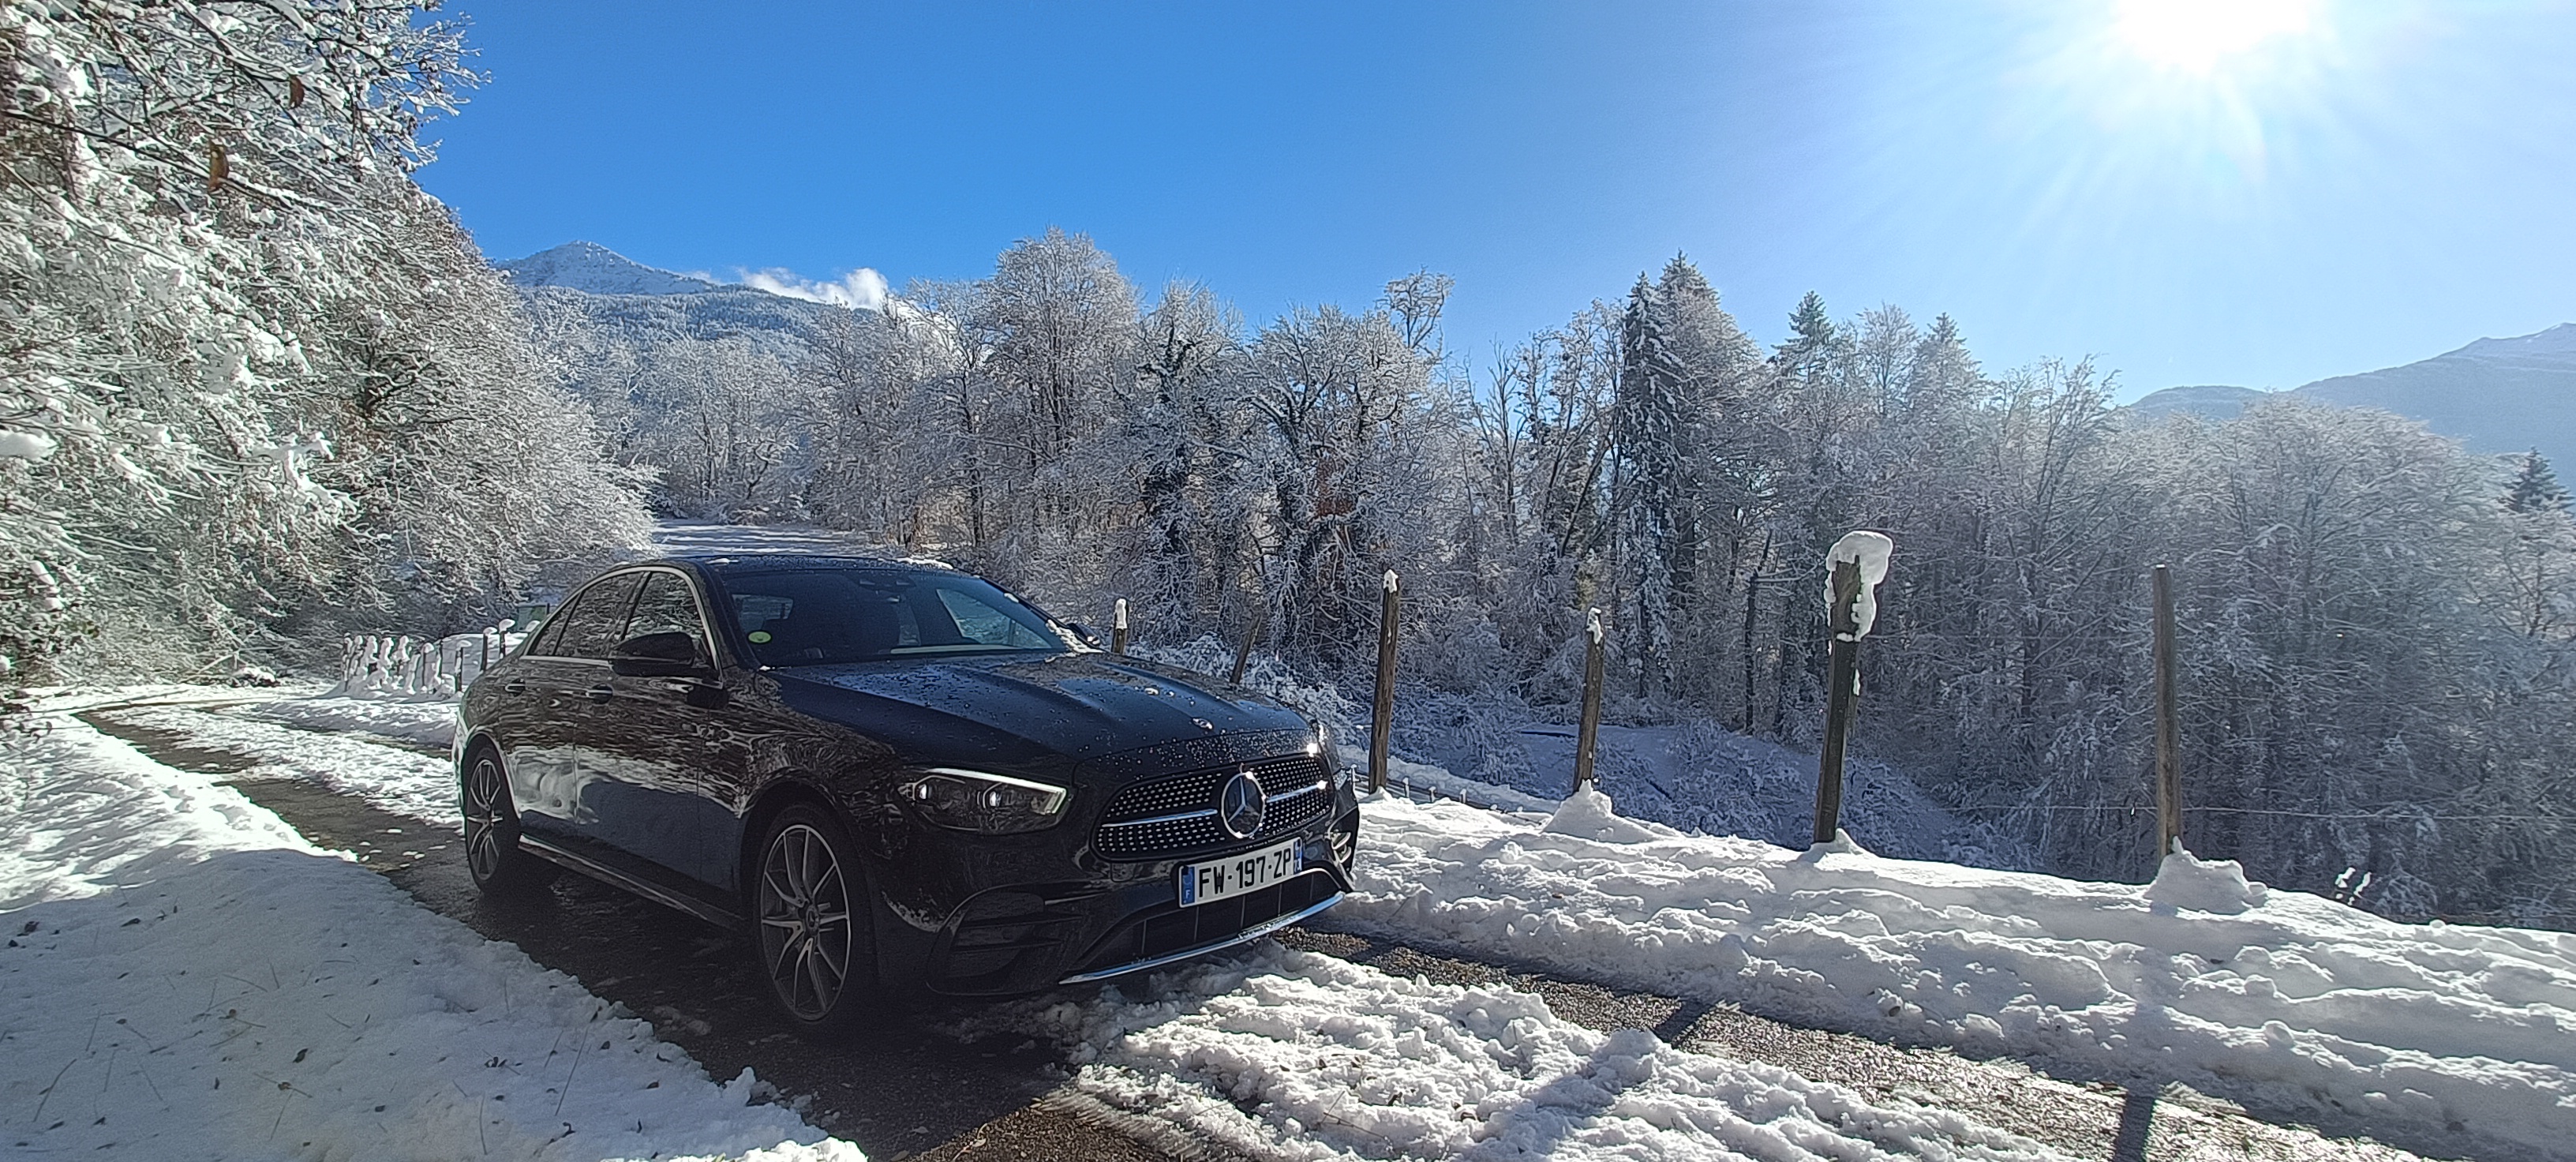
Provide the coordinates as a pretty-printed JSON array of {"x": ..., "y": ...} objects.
[
  {"x": 185, "y": 976},
  {"x": 425, "y": 724},
  {"x": 1424, "y": 779},
  {"x": 2280, "y": 1000},
  {"x": 401, "y": 779},
  {"x": 1294, "y": 1055}
]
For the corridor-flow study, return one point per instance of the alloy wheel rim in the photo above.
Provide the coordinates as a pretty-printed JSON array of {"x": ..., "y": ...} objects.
[
  {"x": 805, "y": 933},
  {"x": 485, "y": 818}
]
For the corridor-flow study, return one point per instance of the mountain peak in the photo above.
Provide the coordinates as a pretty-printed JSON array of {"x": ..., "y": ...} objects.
[
  {"x": 2494, "y": 395},
  {"x": 589, "y": 266},
  {"x": 2556, "y": 344},
  {"x": 2215, "y": 401}
]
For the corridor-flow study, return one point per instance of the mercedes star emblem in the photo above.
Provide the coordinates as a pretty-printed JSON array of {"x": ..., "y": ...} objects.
[{"x": 1240, "y": 805}]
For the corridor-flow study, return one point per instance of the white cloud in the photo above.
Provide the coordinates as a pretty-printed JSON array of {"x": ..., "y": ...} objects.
[{"x": 861, "y": 289}]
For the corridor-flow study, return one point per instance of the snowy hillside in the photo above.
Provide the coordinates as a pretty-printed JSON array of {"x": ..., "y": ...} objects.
[
  {"x": 2495, "y": 395},
  {"x": 1696, "y": 777},
  {"x": 2216, "y": 401},
  {"x": 587, "y": 289},
  {"x": 637, "y": 343},
  {"x": 773, "y": 323},
  {"x": 595, "y": 269}
]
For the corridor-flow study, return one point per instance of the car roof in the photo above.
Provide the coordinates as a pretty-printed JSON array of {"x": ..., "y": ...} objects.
[{"x": 722, "y": 563}]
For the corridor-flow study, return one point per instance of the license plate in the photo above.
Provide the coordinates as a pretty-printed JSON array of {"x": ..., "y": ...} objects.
[{"x": 1237, "y": 874}]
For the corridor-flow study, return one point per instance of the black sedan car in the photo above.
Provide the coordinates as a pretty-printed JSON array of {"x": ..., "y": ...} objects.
[{"x": 894, "y": 776}]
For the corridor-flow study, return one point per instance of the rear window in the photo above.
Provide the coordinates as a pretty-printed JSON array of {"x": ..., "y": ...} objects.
[{"x": 822, "y": 617}]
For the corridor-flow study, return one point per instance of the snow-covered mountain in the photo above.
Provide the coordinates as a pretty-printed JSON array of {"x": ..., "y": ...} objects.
[
  {"x": 2494, "y": 395},
  {"x": 591, "y": 267},
  {"x": 2215, "y": 401},
  {"x": 587, "y": 287}
]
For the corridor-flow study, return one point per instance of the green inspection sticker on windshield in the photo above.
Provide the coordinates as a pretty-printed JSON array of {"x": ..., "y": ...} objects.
[{"x": 760, "y": 637}]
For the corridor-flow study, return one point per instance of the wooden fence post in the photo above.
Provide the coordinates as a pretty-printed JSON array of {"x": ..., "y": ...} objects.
[
  {"x": 2168, "y": 727},
  {"x": 1118, "y": 628},
  {"x": 1382, "y": 716},
  {"x": 1857, "y": 563},
  {"x": 1251, "y": 633},
  {"x": 1841, "y": 687},
  {"x": 1590, "y": 728}
]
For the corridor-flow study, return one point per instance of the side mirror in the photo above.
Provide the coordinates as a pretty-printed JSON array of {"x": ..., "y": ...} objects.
[{"x": 656, "y": 655}]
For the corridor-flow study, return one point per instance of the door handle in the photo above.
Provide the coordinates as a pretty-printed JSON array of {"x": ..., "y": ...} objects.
[
  {"x": 600, "y": 693},
  {"x": 516, "y": 686}
]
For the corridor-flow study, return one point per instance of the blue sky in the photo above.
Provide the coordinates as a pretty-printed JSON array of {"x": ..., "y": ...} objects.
[{"x": 2355, "y": 185}]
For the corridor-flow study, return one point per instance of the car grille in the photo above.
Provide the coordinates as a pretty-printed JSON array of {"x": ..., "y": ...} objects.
[{"x": 1176, "y": 816}]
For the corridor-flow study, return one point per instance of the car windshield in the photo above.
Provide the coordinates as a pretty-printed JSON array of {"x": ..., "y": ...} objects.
[{"x": 824, "y": 617}]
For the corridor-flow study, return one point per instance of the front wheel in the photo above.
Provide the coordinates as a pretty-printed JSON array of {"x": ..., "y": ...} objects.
[
  {"x": 811, "y": 901},
  {"x": 501, "y": 869}
]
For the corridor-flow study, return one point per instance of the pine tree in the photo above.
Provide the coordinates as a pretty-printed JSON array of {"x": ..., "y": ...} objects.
[
  {"x": 1812, "y": 338},
  {"x": 1651, "y": 425},
  {"x": 2535, "y": 488}
]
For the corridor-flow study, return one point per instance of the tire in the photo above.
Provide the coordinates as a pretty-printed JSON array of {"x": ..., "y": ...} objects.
[
  {"x": 501, "y": 870},
  {"x": 812, "y": 945}
]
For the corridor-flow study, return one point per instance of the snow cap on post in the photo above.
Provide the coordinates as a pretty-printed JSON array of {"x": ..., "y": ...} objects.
[
  {"x": 32, "y": 447},
  {"x": 1869, "y": 551},
  {"x": 1595, "y": 628},
  {"x": 1118, "y": 614},
  {"x": 1390, "y": 580}
]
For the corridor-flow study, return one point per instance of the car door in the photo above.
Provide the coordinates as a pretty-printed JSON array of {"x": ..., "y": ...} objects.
[
  {"x": 556, "y": 690},
  {"x": 666, "y": 769}
]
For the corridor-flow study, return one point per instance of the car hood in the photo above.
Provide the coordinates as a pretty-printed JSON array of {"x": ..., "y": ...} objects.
[{"x": 1018, "y": 712}]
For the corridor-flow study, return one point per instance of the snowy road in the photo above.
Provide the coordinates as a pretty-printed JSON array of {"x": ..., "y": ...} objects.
[
  {"x": 897, "y": 1091},
  {"x": 971, "y": 1082}
]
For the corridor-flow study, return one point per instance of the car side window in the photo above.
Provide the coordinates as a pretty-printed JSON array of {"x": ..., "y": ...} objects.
[
  {"x": 589, "y": 624},
  {"x": 666, "y": 606}
]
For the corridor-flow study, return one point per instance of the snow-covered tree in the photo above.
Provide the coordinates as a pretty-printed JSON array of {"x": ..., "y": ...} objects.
[{"x": 215, "y": 285}]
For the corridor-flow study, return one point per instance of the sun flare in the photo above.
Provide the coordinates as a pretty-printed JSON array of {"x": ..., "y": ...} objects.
[{"x": 2195, "y": 35}]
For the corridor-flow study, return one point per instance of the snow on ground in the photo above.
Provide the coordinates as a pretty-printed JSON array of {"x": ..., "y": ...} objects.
[
  {"x": 1701, "y": 777},
  {"x": 2283, "y": 1001},
  {"x": 1293, "y": 1055},
  {"x": 713, "y": 537},
  {"x": 422, "y": 722},
  {"x": 1696, "y": 776},
  {"x": 186, "y": 977},
  {"x": 2279, "y": 1000},
  {"x": 399, "y": 778}
]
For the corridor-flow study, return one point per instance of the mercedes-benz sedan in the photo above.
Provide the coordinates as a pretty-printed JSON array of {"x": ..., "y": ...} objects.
[{"x": 894, "y": 776}]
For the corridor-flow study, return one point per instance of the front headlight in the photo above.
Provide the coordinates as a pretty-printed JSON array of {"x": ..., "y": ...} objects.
[
  {"x": 1321, "y": 746},
  {"x": 988, "y": 803}
]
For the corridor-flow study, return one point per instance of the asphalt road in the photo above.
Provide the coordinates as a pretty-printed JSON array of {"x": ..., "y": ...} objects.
[{"x": 911, "y": 1088}]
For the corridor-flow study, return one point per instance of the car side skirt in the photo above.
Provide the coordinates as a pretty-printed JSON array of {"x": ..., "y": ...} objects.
[
  {"x": 1255, "y": 932},
  {"x": 645, "y": 888}
]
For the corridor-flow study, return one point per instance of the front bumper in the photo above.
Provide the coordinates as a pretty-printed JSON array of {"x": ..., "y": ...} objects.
[
  {"x": 1025, "y": 937},
  {"x": 1144, "y": 935}
]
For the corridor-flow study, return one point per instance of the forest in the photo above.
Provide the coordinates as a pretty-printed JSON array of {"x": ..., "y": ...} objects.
[{"x": 257, "y": 388}]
